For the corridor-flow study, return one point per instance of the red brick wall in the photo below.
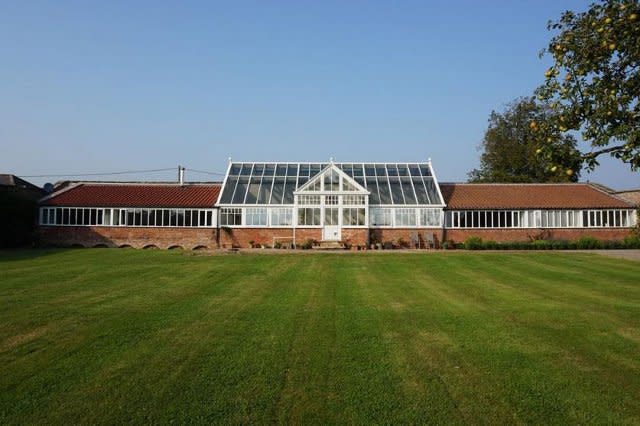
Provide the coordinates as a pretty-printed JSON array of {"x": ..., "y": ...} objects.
[
  {"x": 355, "y": 236},
  {"x": 91, "y": 236},
  {"x": 382, "y": 235},
  {"x": 240, "y": 237},
  {"x": 503, "y": 235}
]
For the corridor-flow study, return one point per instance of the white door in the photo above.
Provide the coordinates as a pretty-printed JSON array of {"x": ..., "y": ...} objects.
[
  {"x": 331, "y": 230},
  {"x": 331, "y": 233}
]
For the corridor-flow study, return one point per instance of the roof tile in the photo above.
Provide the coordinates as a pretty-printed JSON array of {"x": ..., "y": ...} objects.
[
  {"x": 527, "y": 196},
  {"x": 135, "y": 195}
]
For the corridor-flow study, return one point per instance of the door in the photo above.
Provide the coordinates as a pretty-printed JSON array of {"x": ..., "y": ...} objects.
[{"x": 331, "y": 230}]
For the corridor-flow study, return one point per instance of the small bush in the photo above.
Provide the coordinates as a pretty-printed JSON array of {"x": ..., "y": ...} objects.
[
  {"x": 277, "y": 245},
  {"x": 387, "y": 245},
  {"x": 307, "y": 244},
  {"x": 473, "y": 243},
  {"x": 632, "y": 242},
  {"x": 588, "y": 243}
]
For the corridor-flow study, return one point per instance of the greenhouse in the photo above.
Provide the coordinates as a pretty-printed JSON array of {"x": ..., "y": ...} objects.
[{"x": 330, "y": 196}]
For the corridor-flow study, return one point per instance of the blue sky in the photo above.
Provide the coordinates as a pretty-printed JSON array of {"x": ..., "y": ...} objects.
[{"x": 116, "y": 86}]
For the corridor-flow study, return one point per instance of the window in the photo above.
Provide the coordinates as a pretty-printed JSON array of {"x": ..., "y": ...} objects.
[
  {"x": 354, "y": 200},
  {"x": 331, "y": 180},
  {"x": 353, "y": 217},
  {"x": 307, "y": 200},
  {"x": 331, "y": 216},
  {"x": 256, "y": 217},
  {"x": 405, "y": 217},
  {"x": 430, "y": 217},
  {"x": 230, "y": 216},
  {"x": 281, "y": 217},
  {"x": 381, "y": 217},
  {"x": 331, "y": 200},
  {"x": 308, "y": 216}
]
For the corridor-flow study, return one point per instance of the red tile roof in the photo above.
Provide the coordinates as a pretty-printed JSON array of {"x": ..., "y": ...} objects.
[
  {"x": 86, "y": 194},
  {"x": 528, "y": 196}
]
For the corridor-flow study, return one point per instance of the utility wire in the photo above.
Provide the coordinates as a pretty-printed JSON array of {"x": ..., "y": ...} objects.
[
  {"x": 206, "y": 173},
  {"x": 127, "y": 172}
]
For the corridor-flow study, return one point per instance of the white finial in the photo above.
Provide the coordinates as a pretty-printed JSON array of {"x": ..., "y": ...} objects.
[
  {"x": 331, "y": 160},
  {"x": 229, "y": 159},
  {"x": 429, "y": 160}
]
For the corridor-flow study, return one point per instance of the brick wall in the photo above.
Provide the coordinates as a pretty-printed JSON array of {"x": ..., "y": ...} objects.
[
  {"x": 503, "y": 235},
  {"x": 382, "y": 235},
  {"x": 240, "y": 237},
  {"x": 91, "y": 236}
]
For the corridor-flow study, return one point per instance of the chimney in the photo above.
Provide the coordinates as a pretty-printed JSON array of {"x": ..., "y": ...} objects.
[{"x": 181, "y": 175}]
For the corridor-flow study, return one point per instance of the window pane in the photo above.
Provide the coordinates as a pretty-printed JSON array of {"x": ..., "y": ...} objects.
[
  {"x": 288, "y": 191},
  {"x": 372, "y": 186},
  {"x": 227, "y": 192},
  {"x": 241, "y": 190},
  {"x": 385, "y": 193},
  {"x": 396, "y": 191},
  {"x": 407, "y": 190},
  {"x": 278, "y": 191}
]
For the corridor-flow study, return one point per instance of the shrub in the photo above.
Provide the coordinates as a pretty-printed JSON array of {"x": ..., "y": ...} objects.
[
  {"x": 402, "y": 243},
  {"x": 588, "y": 243},
  {"x": 277, "y": 245},
  {"x": 387, "y": 245},
  {"x": 473, "y": 243},
  {"x": 307, "y": 244},
  {"x": 632, "y": 241}
]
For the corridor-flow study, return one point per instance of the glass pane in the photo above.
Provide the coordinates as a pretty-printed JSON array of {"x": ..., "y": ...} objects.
[
  {"x": 227, "y": 192},
  {"x": 360, "y": 180},
  {"x": 381, "y": 170},
  {"x": 292, "y": 169},
  {"x": 424, "y": 169},
  {"x": 414, "y": 170},
  {"x": 304, "y": 170},
  {"x": 403, "y": 170},
  {"x": 369, "y": 170},
  {"x": 407, "y": 190},
  {"x": 331, "y": 216},
  {"x": 265, "y": 190},
  {"x": 302, "y": 180},
  {"x": 235, "y": 169},
  {"x": 421, "y": 192},
  {"x": 252, "y": 194},
  {"x": 393, "y": 171},
  {"x": 372, "y": 186},
  {"x": 385, "y": 195},
  {"x": 246, "y": 169},
  {"x": 314, "y": 169},
  {"x": 258, "y": 169},
  {"x": 432, "y": 191},
  {"x": 278, "y": 191},
  {"x": 288, "y": 190},
  {"x": 241, "y": 190},
  {"x": 281, "y": 170},
  {"x": 358, "y": 170},
  {"x": 269, "y": 169},
  {"x": 396, "y": 191}
]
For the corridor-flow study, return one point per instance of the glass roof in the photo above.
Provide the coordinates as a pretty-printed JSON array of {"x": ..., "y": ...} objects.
[{"x": 274, "y": 183}]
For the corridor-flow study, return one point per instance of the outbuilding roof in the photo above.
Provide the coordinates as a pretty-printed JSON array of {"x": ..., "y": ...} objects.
[
  {"x": 528, "y": 196},
  {"x": 101, "y": 194}
]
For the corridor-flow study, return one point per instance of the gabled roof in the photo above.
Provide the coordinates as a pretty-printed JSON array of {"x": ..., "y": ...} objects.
[
  {"x": 99, "y": 194},
  {"x": 274, "y": 183},
  {"x": 358, "y": 188},
  {"x": 528, "y": 196}
]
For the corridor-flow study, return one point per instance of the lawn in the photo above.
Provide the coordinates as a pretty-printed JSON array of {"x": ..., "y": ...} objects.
[{"x": 130, "y": 336}]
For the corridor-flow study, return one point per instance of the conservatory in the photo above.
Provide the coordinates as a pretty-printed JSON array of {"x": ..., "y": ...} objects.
[{"x": 330, "y": 197}]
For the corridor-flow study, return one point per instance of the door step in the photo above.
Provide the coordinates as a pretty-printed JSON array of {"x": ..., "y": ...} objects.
[{"x": 329, "y": 245}]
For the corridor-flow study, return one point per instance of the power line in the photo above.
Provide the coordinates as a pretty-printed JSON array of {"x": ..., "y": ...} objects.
[
  {"x": 127, "y": 172},
  {"x": 206, "y": 173}
]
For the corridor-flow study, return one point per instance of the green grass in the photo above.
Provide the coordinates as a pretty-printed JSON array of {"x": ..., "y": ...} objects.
[{"x": 114, "y": 336}]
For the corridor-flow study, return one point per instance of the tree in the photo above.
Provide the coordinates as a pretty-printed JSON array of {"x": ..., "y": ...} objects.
[
  {"x": 594, "y": 83},
  {"x": 510, "y": 147}
]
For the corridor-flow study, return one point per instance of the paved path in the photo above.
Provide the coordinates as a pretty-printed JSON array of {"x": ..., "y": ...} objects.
[{"x": 621, "y": 254}]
